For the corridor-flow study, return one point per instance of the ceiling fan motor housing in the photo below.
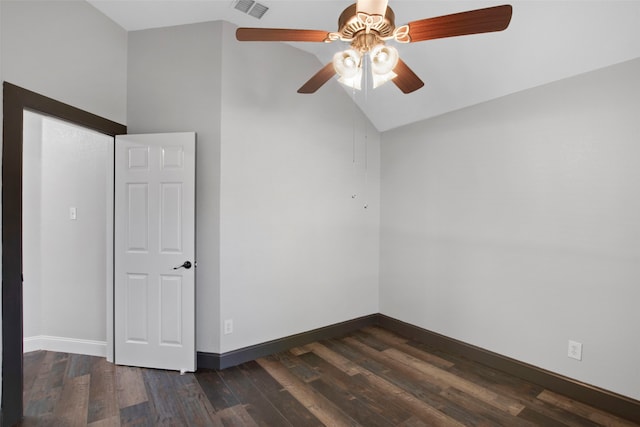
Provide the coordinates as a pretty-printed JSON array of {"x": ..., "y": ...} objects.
[
  {"x": 365, "y": 42},
  {"x": 351, "y": 24}
]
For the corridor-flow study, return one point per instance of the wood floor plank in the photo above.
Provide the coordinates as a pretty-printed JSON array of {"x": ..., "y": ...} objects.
[
  {"x": 260, "y": 409},
  {"x": 382, "y": 334},
  {"x": 370, "y": 377},
  {"x": 415, "y": 396},
  {"x": 130, "y": 386},
  {"x": 44, "y": 404},
  {"x": 554, "y": 412},
  {"x": 401, "y": 344},
  {"x": 39, "y": 370},
  {"x": 58, "y": 370},
  {"x": 371, "y": 340},
  {"x": 197, "y": 411},
  {"x": 42, "y": 370},
  {"x": 217, "y": 392},
  {"x": 583, "y": 410},
  {"x": 349, "y": 404},
  {"x": 340, "y": 362},
  {"x": 103, "y": 401},
  {"x": 425, "y": 412},
  {"x": 317, "y": 404},
  {"x": 47, "y": 386},
  {"x": 436, "y": 374},
  {"x": 301, "y": 370},
  {"x": 37, "y": 421},
  {"x": 31, "y": 362},
  {"x": 113, "y": 421},
  {"x": 297, "y": 351},
  {"x": 526, "y": 392},
  {"x": 161, "y": 391},
  {"x": 196, "y": 407},
  {"x": 79, "y": 365},
  {"x": 383, "y": 366},
  {"x": 494, "y": 379},
  {"x": 537, "y": 419},
  {"x": 72, "y": 407},
  {"x": 482, "y": 410},
  {"x": 280, "y": 398},
  {"x": 427, "y": 389},
  {"x": 140, "y": 414},
  {"x": 388, "y": 369},
  {"x": 414, "y": 422},
  {"x": 357, "y": 385},
  {"x": 385, "y": 379},
  {"x": 236, "y": 416}
]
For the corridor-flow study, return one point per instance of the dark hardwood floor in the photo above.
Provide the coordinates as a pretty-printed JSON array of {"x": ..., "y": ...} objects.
[{"x": 369, "y": 378}]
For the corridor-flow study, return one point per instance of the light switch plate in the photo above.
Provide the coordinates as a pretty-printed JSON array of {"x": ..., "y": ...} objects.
[{"x": 575, "y": 350}]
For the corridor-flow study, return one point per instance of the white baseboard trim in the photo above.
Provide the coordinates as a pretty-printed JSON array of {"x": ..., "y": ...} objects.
[{"x": 65, "y": 345}]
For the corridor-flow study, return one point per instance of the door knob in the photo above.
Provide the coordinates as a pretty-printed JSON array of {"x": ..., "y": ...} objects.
[{"x": 185, "y": 265}]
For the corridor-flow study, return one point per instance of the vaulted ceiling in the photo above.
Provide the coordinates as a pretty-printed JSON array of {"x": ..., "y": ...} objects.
[{"x": 547, "y": 40}]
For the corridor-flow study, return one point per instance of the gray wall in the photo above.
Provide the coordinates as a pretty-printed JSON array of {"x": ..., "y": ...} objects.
[
  {"x": 296, "y": 251},
  {"x": 513, "y": 225},
  {"x": 279, "y": 237},
  {"x": 31, "y": 222},
  {"x": 65, "y": 50},
  {"x": 65, "y": 260}
]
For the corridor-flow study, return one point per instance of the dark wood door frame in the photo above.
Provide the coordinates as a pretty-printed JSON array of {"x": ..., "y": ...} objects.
[{"x": 15, "y": 101}]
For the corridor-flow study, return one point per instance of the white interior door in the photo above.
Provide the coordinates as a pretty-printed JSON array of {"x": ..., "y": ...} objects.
[{"x": 154, "y": 245}]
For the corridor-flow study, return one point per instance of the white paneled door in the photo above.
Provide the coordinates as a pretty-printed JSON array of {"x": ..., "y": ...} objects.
[{"x": 154, "y": 298}]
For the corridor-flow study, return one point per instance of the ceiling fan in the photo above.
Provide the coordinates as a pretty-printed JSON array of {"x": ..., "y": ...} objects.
[{"x": 367, "y": 25}]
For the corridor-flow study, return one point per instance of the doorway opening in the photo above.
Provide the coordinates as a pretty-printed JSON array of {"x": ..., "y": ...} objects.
[
  {"x": 15, "y": 101},
  {"x": 67, "y": 229}
]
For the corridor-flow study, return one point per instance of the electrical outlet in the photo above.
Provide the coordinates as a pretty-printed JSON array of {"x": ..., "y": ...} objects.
[
  {"x": 228, "y": 326},
  {"x": 575, "y": 350},
  {"x": 73, "y": 213}
]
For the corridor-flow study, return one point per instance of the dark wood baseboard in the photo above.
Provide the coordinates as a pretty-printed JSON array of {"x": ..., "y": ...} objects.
[
  {"x": 236, "y": 357},
  {"x": 614, "y": 403}
]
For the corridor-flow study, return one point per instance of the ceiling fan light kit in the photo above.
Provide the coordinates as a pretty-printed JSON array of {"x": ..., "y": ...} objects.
[
  {"x": 367, "y": 25},
  {"x": 348, "y": 65}
]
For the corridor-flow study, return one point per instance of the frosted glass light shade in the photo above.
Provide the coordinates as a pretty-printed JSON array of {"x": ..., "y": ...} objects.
[
  {"x": 347, "y": 62},
  {"x": 383, "y": 59},
  {"x": 347, "y": 66},
  {"x": 354, "y": 82},
  {"x": 380, "y": 79}
]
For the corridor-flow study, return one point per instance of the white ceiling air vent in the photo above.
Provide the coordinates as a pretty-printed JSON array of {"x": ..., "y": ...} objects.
[{"x": 250, "y": 7}]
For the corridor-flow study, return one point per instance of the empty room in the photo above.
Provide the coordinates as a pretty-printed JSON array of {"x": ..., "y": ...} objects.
[{"x": 223, "y": 212}]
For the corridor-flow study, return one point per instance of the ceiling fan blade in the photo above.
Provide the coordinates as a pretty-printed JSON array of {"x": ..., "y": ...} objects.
[
  {"x": 486, "y": 20},
  {"x": 280, "y": 35},
  {"x": 320, "y": 78},
  {"x": 406, "y": 80},
  {"x": 372, "y": 7}
]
